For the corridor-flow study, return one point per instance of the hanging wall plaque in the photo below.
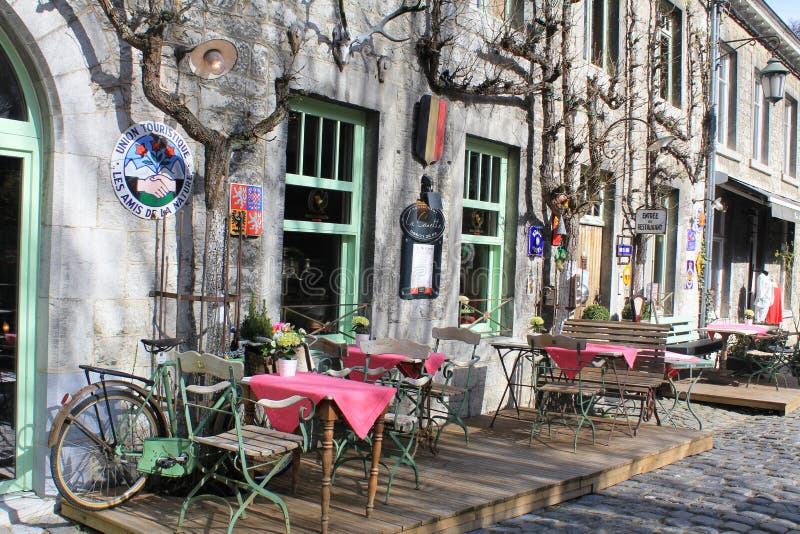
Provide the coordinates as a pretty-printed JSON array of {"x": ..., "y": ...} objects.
[
  {"x": 151, "y": 170},
  {"x": 246, "y": 210},
  {"x": 535, "y": 241},
  {"x": 421, "y": 252}
]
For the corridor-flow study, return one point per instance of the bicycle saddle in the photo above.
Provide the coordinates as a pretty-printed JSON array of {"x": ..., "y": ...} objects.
[{"x": 160, "y": 345}]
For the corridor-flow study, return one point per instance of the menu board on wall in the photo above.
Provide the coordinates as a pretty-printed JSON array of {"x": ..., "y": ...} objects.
[{"x": 421, "y": 251}]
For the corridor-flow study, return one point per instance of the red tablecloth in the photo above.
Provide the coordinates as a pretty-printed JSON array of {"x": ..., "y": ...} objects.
[
  {"x": 567, "y": 360},
  {"x": 360, "y": 404},
  {"x": 737, "y": 328},
  {"x": 356, "y": 358}
]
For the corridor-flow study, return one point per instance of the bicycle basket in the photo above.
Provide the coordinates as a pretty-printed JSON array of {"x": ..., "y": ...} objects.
[{"x": 167, "y": 457}]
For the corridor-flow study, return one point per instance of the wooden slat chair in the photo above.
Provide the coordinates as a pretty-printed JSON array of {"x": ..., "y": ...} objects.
[
  {"x": 347, "y": 446},
  {"x": 649, "y": 374},
  {"x": 563, "y": 397},
  {"x": 453, "y": 398},
  {"x": 404, "y": 416},
  {"x": 250, "y": 448},
  {"x": 326, "y": 354}
]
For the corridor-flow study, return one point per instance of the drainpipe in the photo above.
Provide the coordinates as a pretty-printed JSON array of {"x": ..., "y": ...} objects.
[{"x": 708, "y": 230}]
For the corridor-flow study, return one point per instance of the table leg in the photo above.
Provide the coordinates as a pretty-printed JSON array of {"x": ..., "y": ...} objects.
[
  {"x": 327, "y": 416},
  {"x": 687, "y": 401},
  {"x": 509, "y": 389},
  {"x": 377, "y": 444}
]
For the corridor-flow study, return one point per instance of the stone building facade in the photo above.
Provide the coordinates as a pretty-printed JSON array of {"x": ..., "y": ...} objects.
[{"x": 336, "y": 176}]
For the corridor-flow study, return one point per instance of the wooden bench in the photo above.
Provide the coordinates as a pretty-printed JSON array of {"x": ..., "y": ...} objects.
[
  {"x": 649, "y": 373},
  {"x": 684, "y": 339}
]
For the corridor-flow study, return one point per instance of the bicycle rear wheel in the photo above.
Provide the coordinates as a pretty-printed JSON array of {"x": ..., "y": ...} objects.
[{"x": 87, "y": 467}]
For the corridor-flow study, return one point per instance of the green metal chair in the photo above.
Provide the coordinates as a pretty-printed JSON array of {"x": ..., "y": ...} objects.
[
  {"x": 209, "y": 390},
  {"x": 565, "y": 399},
  {"x": 772, "y": 362},
  {"x": 403, "y": 419},
  {"x": 452, "y": 399}
]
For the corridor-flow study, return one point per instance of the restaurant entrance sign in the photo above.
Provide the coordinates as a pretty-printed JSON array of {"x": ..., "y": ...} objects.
[
  {"x": 651, "y": 221},
  {"x": 421, "y": 252},
  {"x": 152, "y": 170}
]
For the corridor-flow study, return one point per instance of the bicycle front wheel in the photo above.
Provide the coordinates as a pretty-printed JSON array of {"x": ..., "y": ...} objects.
[{"x": 94, "y": 458}]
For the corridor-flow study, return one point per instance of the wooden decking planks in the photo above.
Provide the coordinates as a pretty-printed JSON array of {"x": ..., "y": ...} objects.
[
  {"x": 764, "y": 396},
  {"x": 499, "y": 476}
]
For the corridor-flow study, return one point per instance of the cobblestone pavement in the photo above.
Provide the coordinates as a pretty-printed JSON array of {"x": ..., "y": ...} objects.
[{"x": 749, "y": 482}]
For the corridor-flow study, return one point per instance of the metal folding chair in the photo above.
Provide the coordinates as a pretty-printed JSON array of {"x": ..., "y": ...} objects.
[
  {"x": 451, "y": 397},
  {"x": 565, "y": 397},
  {"x": 249, "y": 448}
]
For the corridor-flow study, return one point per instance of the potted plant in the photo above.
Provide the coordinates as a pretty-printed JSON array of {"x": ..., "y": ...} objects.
[
  {"x": 596, "y": 312},
  {"x": 748, "y": 317},
  {"x": 254, "y": 332},
  {"x": 360, "y": 326},
  {"x": 536, "y": 325},
  {"x": 283, "y": 347}
]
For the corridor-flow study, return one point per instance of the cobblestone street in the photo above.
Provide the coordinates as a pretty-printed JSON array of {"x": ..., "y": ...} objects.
[{"x": 749, "y": 482}]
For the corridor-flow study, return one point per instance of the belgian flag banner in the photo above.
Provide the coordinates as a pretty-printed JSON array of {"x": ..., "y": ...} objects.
[{"x": 429, "y": 142}]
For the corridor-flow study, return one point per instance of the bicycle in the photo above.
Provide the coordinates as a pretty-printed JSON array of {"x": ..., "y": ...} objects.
[{"x": 112, "y": 434}]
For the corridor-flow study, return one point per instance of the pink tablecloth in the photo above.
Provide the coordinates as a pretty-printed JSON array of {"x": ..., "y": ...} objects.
[
  {"x": 567, "y": 360},
  {"x": 356, "y": 358},
  {"x": 738, "y": 328},
  {"x": 360, "y": 404}
]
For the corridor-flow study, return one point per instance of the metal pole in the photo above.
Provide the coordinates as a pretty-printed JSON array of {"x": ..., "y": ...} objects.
[{"x": 708, "y": 230}]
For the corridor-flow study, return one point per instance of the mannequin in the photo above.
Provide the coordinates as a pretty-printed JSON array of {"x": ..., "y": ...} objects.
[{"x": 764, "y": 296}]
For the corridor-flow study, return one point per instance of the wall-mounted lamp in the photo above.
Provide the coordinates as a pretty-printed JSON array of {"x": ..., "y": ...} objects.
[
  {"x": 719, "y": 205},
  {"x": 212, "y": 59},
  {"x": 660, "y": 142},
  {"x": 773, "y": 80}
]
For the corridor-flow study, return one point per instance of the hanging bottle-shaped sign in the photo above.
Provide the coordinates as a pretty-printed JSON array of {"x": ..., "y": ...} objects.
[{"x": 421, "y": 252}]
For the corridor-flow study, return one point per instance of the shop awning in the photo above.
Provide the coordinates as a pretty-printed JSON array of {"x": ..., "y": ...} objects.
[{"x": 782, "y": 207}]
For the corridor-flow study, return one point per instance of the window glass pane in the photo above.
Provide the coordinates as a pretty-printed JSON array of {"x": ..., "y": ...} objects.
[
  {"x": 793, "y": 139},
  {"x": 474, "y": 166},
  {"x": 293, "y": 143},
  {"x": 346, "y": 149},
  {"x": 319, "y": 205},
  {"x": 310, "y": 145},
  {"x": 10, "y": 182},
  {"x": 475, "y": 276},
  {"x": 328, "y": 148},
  {"x": 479, "y": 222},
  {"x": 311, "y": 278},
  {"x": 675, "y": 59},
  {"x": 732, "y": 88},
  {"x": 663, "y": 65},
  {"x": 764, "y": 131},
  {"x": 496, "y": 166},
  {"x": 12, "y": 100},
  {"x": 597, "y": 31},
  {"x": 486, "y": 177},
  {"x": 612, "y": 39}
]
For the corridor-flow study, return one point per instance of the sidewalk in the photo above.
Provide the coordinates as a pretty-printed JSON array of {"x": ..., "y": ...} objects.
[{"x": 25, "y": 513}]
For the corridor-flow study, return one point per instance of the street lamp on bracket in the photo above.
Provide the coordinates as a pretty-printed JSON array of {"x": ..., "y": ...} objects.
[{"x": 654, "y": 146}]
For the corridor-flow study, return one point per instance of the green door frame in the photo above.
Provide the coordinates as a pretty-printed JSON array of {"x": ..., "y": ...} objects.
[{"x": 22, "y": 140}]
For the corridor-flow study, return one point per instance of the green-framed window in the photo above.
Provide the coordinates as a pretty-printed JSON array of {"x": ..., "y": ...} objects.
[
  {"x": 486, "y": 169},
  {"x": 322, "y": 212},
  {"x": 19, "y": 202}
]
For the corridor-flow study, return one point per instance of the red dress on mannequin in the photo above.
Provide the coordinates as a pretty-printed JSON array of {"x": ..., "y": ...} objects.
[{"x": 775, "y": 312}]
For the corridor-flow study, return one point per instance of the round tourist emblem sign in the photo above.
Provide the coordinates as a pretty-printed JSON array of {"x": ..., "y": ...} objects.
[{"x": 151, "y": 170}]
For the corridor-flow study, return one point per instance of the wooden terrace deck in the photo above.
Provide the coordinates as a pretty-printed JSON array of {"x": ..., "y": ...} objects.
[
  {"x": 498, "y": 477},
  {"x": 764, "y": 396}
]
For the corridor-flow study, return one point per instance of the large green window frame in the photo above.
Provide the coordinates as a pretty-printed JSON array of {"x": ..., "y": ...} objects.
[
  {"x": 483, "y": 235},
  {"x": 322, "y": 216},
  {"x": 20, "y": 139}
]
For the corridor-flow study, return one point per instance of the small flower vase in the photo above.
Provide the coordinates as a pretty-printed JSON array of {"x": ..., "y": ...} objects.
[
  {"x": 287, "y": 367},
  {"x": 748, "y": 321},
  {"x": 360, "y": 338}
]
